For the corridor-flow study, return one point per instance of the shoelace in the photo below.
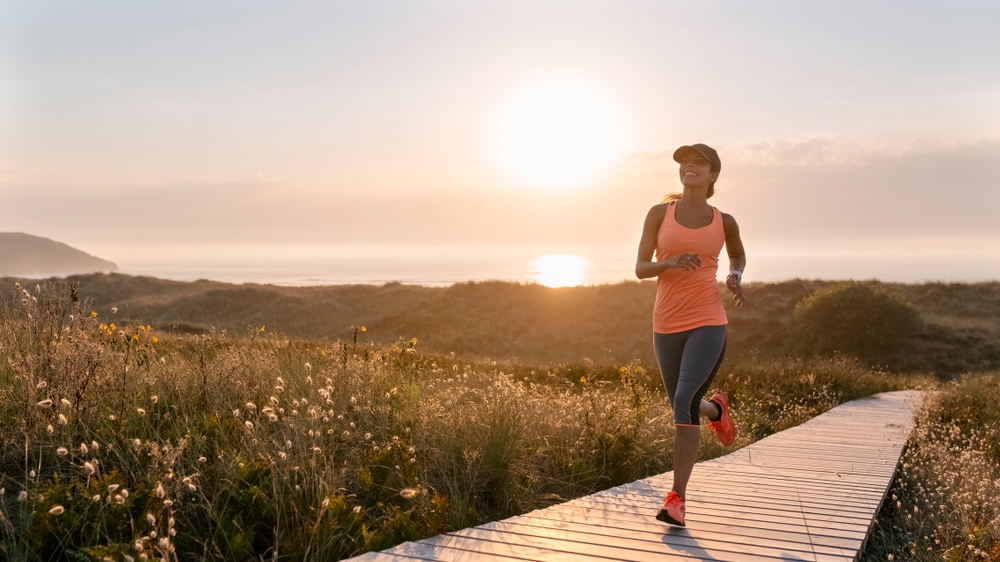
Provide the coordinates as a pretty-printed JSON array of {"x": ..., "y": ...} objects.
[{"x": 673, "y": 499}]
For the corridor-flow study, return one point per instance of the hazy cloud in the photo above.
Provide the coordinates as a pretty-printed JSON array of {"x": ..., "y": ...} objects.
[
  {"x": 792, "y": 191},
  {"x": 821, "y": 188}
]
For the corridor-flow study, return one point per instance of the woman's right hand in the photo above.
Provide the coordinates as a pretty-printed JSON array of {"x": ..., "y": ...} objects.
[{"x": 687, "y": 262}]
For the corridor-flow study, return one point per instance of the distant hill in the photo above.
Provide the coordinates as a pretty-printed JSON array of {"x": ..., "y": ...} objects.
[{"x": 24, "y": 254}]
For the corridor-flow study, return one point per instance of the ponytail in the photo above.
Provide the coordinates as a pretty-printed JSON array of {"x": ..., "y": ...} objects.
[{"x": 676, "y": 196}]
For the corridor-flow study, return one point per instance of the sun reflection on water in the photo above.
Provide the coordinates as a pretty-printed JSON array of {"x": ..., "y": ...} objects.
[{"x": 560, "y": 270}]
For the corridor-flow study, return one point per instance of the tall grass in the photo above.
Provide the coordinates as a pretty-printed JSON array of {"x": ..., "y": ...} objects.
[
  {"x": 945, "y": 500},
  {"x": 118, "y": 443}
]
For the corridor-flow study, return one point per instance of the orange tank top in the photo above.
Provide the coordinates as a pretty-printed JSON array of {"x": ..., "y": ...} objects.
[{"x": 688, "y": 299}]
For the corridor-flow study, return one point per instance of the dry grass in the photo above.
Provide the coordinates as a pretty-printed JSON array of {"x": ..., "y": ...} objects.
[
  {"x": 119, "y": 441},
  {"x": 945, "y": 501}
]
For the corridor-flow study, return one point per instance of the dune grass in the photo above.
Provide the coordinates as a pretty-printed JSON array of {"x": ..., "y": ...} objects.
[
  {"x": 121, "y": 441},
  {"x": 945, "y": 500}
]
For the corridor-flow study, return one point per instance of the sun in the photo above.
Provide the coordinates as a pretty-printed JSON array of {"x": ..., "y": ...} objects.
[
  {"x": 560, "y": 270},
  {"x": 558, "y": 133}
]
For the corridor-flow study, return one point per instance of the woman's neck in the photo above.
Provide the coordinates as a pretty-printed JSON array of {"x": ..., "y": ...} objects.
[{"x": 694, "y": 197}]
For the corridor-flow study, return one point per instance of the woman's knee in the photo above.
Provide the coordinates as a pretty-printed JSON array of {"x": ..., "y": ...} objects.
[{"x": 683, "y": 405}]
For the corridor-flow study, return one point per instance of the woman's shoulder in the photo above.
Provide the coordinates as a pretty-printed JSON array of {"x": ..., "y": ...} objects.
[
  {"x": 728, "y": 222},
  {"x": 656, "y": 214},
  {"x": 659, "y": 208}
]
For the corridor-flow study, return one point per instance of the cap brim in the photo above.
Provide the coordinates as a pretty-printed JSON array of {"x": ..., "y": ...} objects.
[{"x": 680, "y": 152}]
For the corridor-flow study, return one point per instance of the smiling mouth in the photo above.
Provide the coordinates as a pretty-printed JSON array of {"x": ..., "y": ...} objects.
[{"x": 692, "y": 174}]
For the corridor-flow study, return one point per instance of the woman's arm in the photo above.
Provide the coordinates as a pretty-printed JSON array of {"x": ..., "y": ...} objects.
[
  {"x": 737, "y": 259},
  {"x": 645, "y": 267}
]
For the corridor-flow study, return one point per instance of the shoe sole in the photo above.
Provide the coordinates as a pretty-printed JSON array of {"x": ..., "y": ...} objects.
[{"x": 662, "y": 515}]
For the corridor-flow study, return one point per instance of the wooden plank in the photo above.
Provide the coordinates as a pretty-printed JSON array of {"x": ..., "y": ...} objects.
[
  {"x": 682, "y": 540},
  {"x": 731, "y": 519},
  {"x": 723, "y": 534},
  {"x": 623, "y": 549},
  {"x": 729, "y": 527},
  {"x": 724, "y": 510},
  {"x": 448, "y": 548},
  {"x": 806, "y": 493},
  {"x": 765, "y": 493},
  {"x": 795, "y": 501},
  {"x": 708, "y": 505},
  {"x": 824, "y": 488}
]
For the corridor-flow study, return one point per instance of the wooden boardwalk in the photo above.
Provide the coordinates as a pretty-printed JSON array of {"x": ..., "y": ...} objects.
[{"x": 807, "y": 493}]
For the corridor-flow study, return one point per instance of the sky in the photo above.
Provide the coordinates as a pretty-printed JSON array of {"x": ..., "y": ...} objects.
[{"x": 217, "y": 128}]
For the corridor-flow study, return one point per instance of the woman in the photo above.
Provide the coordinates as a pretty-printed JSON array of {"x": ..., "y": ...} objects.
[{"x": 689, "y": 322}]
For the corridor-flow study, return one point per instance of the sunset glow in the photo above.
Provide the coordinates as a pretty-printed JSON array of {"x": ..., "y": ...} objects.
[
  {"x": 560, "y": 270},
  {"x": 558, "y": 134}
]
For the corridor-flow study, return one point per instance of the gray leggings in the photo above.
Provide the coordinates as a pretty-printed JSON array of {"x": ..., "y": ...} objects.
[{"x": 688, "y": 363}]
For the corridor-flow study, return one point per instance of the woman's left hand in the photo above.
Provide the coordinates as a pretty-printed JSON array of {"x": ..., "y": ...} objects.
[{"x": 733, "y": 284}]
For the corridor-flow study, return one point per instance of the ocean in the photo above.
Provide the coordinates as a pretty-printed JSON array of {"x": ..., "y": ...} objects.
[{"x": 557, "y": 269}]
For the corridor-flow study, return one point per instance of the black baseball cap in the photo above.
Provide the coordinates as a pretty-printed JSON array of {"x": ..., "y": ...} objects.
[{"x": 707, "y": 152}]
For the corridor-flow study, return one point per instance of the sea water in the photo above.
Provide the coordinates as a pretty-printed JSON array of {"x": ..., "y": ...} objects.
[{"x": 569, "y": 268}]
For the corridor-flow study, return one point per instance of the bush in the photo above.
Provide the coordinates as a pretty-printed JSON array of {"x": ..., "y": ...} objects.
[{"x": 863, "y": 319}]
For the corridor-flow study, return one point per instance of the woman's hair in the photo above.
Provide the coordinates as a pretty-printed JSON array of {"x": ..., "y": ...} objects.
[{"x": 671, "y": 197}]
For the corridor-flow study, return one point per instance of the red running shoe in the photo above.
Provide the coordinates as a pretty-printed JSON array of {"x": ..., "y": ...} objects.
[
  {"x": 673, "y": 509},
  {"x": 724, "y": 429}
]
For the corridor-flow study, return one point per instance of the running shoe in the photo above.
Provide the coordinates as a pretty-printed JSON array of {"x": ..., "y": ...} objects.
[
  {"x": 673, "y": 509},
  {"x": 723, "y": 427}
]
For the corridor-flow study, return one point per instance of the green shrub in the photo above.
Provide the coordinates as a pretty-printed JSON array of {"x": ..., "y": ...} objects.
[{"x": 862, "y": 319}]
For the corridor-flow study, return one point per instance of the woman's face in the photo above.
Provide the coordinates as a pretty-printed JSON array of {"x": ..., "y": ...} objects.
[{"x": 695, "y": 171}]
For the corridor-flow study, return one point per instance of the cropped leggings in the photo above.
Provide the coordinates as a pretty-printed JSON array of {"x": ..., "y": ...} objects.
[{"x": 688, "y": 362}]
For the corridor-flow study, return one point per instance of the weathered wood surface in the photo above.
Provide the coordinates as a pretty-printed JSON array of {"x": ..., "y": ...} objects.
[{"x": 807, "y": 493}]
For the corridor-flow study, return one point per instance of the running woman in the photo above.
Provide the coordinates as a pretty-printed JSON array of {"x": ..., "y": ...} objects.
[{"x": 689, "y": 322}]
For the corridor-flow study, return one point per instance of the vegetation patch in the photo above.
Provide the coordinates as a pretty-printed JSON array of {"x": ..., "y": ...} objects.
[
  {"x": 118, "y": 440},
  {"x": 944, "y": 503},
  {"x": 863, "y": 319}
]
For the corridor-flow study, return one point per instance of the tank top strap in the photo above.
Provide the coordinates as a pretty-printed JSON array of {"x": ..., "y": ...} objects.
[{"x": 669, "y": 215}]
